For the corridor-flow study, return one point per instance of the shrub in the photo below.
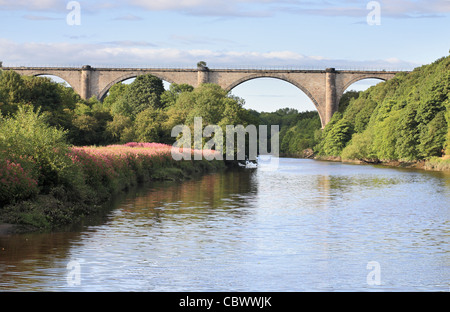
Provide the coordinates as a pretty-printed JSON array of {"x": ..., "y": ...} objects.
[
  {"x": 26, "y": 139},
  {"x": 15, "y": 182}
]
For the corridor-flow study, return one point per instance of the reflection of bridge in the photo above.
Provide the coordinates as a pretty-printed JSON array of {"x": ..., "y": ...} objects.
[{"x": 323, "y": 87}]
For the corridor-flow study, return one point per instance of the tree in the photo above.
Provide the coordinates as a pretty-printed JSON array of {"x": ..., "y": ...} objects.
[
  {"x": 432, "y": 139},
  {"x": 346, "y": 98},
  {"x": 385, "y": 136},
  {"x": 360, "y": 147},
  {"x": 144, "y": 92},
  {"x": 120, "y": 129},
  {"x": 89, "y": 123},
  {"x": 169, "y": 97},
  {"x": 338, "y": 137},
  {"x": 407, "y": 132},
  {"x": 149, "y": 126},
  {"x": 43, "y": 93},
  {"x": 12, "y": 91},
  {"x": 116, "y": 92},
  {"x": 27, "y": 139},
  {"x": 201, "y": 65}
]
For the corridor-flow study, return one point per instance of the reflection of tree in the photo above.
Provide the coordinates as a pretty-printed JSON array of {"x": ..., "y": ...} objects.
[
  {"x": 23, "y": 253},
  {"x": 194, "y": 198},
  {"x": 190, "y": 200}
]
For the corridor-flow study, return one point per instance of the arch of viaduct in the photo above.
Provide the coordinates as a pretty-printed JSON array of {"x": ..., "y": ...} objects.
[{"x": 323, "y": 87}]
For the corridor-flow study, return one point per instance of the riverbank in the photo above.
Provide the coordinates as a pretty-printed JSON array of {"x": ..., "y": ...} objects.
[
  {"x": 433, "y": 164},
  {"x": 103, "y": 172}
]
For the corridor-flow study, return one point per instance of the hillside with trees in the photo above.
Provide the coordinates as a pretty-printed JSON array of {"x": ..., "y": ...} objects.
[{"x": 403, "y": 119}]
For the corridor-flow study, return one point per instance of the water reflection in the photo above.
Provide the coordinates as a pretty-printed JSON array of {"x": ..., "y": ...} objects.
[{"x": 307, "y": 226}]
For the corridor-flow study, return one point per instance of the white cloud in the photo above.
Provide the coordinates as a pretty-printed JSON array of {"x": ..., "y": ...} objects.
[
  {"x": 144, "y": 54},
  {"x": 33, "y": 17},
  {"x": 389, "y": 8},
  {"x": 262, "y": 8},
  {"x": 247, "y": 8},
  {"x": 33, "y": 5},
  {"x": 208, "y": 7},
  {"x": 128, "y": 17}
]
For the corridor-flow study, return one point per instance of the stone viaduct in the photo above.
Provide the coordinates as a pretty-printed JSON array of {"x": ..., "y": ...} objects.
[{"x": 323, "y": 87}]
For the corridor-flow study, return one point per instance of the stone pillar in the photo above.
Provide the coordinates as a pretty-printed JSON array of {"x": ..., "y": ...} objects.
[
  {"x": 202, "y": 75},
  {"x": 330, "y": 94},
  {"x": 85, "y": 82}
]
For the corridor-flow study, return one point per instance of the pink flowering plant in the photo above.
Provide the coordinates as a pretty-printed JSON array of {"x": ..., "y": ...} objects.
[
  {"x": 35, "y": 159},
  {"x": 15, "y": 182}
]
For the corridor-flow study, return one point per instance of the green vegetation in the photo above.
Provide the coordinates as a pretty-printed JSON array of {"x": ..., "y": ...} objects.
[
  {"x": 43, "y": 185},
  {"x": 298, "y": 130},
  {"x": 143, "y": 111},
  {"x": 404, "y": 119},
  {"x": 45, "y": 181}
]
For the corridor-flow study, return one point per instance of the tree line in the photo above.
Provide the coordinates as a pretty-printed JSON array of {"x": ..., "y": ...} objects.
[
  {"x": 143, "y": 111},
  {"x": 405, "y": 118}
]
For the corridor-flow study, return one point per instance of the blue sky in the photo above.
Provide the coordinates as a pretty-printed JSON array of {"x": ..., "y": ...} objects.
[{"x": 231, "y": 33}]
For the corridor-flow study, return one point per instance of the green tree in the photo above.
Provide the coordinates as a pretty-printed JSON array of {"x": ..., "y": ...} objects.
[
  {"x": 432, "y": 140},
  {"x": 407, "y": 134},
  {"x": 360, "y": 147},
  {"x": 385, "y": 137},
  {"x": 27, "y": 139},
  {"x": 149, "y": 126},
  {"x": 169, "y": 97},
  {"x": 120, "y": 129},
  {"x": 43, "y": 93},
  {"x": 116, "y": 93},
  {"x": 346, "y": 98},
  {"x": 12, "y": 86},
  {"x": 89, "y": 124},
  {"x": 337, "y": 137},
  {"x": 144, "y": 92}
]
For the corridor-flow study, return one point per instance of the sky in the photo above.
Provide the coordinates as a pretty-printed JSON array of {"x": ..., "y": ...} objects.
[{"x": 297, "y": 34}]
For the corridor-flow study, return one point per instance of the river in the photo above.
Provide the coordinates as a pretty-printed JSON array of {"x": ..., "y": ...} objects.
[{"x": 306, "y": 226}]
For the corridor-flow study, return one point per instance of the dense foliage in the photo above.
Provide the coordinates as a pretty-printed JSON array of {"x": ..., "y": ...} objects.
[
  {"x": 405, "y": 118},
  {"x": 143, "y": 111},
  {"x": 44, "y": 181},
  {"x": 297, "y": 129}
]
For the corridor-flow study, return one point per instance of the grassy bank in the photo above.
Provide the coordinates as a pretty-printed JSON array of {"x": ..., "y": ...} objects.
[
  {"x": 438, "y": 163},
  {"x": 433, "y": 164},
  {"x": 100, "y": 172},
  {"x": 45, "y": 183}
]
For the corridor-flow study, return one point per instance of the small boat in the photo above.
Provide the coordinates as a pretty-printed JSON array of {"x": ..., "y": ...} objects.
[{"x": 248, "y": 164}]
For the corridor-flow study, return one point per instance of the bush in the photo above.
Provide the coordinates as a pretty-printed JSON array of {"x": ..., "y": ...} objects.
[
  {"x": 26, "y": 139},
  {"x": 15, "y": 182}
]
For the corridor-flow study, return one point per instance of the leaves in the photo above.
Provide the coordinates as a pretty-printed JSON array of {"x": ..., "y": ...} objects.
[{"x": 405, "y": 118}]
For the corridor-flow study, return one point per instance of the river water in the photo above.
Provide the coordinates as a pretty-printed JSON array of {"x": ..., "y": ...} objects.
[{"x": 305, "y": 226}]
